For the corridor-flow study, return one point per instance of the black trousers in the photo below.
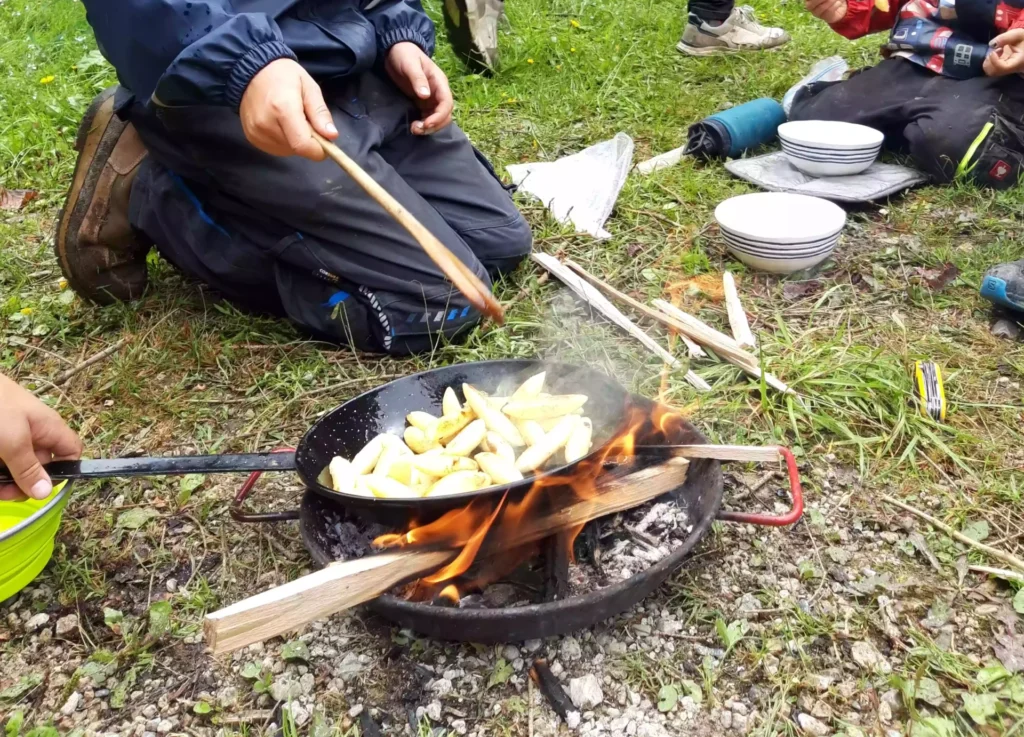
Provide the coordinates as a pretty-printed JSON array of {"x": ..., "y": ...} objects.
[
  {"x": 302, "y": 239},
  {"x": 711, "y": 10},
  {"x": 948, "y": 126}
]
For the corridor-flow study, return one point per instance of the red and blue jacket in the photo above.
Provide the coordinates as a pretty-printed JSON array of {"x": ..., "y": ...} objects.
[
  {"x": 949, "y": 37},
  {"x": 205, "y": 52}
]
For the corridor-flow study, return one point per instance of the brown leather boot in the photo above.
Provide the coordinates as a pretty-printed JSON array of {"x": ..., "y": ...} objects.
[{"x": 102, "y": 256}]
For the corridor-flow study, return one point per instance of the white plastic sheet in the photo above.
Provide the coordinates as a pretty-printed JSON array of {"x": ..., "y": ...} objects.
[
  {"x": 580, "y": 189},
  {"x": 831, "y": 69}
]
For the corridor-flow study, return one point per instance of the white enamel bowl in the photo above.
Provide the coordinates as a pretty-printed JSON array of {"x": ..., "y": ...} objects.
[
  {"x": 825, "y": 148},
  {"x": 778, "y": 232}
]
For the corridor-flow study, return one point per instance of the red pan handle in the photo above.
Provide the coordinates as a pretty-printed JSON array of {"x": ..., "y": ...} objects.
[
  {"x": 246, "y": 517},
  {"x": 773, "y": 520}
]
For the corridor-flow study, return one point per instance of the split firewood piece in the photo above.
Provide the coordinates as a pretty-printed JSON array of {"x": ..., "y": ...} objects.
[
  {"x": 599, "y": 302},
  {"x": 722, "y": 344},
  {"x": 693, "y": 350},
  {"x": 346, "y": 584},
  {"x": 737, "y": 316}
]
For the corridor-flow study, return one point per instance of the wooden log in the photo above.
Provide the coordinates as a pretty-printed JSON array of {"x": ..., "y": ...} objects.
[
  {"x": 737, "y": 315},
  {"x": 599, "y": 302},
  {"x": 693, "y": 350},
  {"x": 346, "y": 584}
]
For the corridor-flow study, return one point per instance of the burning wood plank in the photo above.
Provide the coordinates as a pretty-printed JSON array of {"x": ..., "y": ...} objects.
[
  {"x": 346, "y": 584},
  {"x": 599, "y": 302}
]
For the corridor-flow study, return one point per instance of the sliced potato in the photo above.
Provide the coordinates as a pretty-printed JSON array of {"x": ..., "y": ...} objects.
[
  {"x": 492, "y": 417},
  {"x": 451, "y": 425},
  {"x": 460, "y": 482},
  {"x": 361, "y": 487},
  {"x": 468, "y": 440},
  {"x": 497, "y": 402},
  {"x": 498, "y": 468},
  {"x": 421, "y": 420},
  {"x": 385, "y": 487},
  {"x": 417, "y": 440},
  {"x": 542, "y": 408},
  {"x": 387, "y": 458},
  {"x": 578, "y": 444},
  {"x": 343, "y": 478},
  {"x": 440, "y": 465},
  {"x": 366, "y": 459},
  {"x": 450, "y": 404},
  {"x": 530, "y": 388},
  {"x": 401, "y": 469},
  {"x": 537, "y": 455},
  {"x": 494, "y": 443},
  {"x": 531, "y": 431}
]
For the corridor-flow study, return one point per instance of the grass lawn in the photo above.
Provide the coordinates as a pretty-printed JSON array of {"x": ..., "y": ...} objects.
[{"x": 197, "y": 375}]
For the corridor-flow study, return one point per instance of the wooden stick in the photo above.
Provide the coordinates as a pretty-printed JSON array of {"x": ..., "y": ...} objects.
[
  {"x": 1011, "y": 560},
  {"x": 694, "y": 350},
  {"x": 737, "y": 316},
  {"x": 598, "y": 301},
  {"x": 998, "y": 573},
  {"x": 346, "y": 584},
  {"x": 743, "y": 453},
  {"x": 457, "y": 272},
  {"x": 65, "y": 376},
  {"x": 722, "y": 344}
]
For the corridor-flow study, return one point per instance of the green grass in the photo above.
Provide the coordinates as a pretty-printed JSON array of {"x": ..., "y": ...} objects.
[{"x": 197, "y": 375}]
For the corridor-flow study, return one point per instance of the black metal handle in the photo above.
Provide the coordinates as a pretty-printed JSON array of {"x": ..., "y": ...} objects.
[{"x": 167, "y": 466}]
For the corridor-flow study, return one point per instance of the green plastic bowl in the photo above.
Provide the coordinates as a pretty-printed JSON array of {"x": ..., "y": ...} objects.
[{"x": 27, "y": 531}]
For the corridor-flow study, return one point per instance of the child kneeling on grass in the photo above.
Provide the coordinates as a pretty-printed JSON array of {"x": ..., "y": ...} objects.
[{"x": 950, "y": 93}]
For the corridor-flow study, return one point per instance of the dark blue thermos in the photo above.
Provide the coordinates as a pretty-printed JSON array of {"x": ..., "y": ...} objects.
[{"x": 733, "y": 131}]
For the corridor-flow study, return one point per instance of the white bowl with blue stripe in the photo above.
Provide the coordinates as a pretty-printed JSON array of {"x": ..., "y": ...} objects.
[
  {"x": 826, "y": 148},
  {"x": 780, "y": 232}
]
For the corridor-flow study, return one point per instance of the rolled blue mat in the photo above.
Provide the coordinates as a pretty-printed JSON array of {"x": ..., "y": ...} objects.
[{"x": 733, "y": 131}]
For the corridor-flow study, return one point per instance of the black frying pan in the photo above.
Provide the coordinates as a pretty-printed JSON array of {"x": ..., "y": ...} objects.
[{"x": 346, "y": 429}]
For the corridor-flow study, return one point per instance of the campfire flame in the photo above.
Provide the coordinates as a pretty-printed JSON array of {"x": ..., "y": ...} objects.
[{"x": 484, "y": 530}]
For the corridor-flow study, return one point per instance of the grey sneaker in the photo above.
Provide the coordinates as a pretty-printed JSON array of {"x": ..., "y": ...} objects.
[
  {"x": 740, "y": 32},
  {"x": 472, "y": 28}
]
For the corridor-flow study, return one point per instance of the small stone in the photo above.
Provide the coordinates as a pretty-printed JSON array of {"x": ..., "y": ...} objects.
[
  {"x": 67, "y": 625},
  {"x": 820, "y": 682},
  {"x": 299, "y": 713},
  {"x": 149, "y": 711},
  {"x": 810, "y": 725},
  {"x": 147, "y": 734},
  {"x": 586, "y": 692},
  {"x": 355, "y": 711},
  {"x": 285, "y": 689},
  {"x": 71, "y": 705},
  {"x": 349, "y": 668},
  {"x": 726, "y": 719},
  {"x": 307, "y": 683},
  {"x": 227, "y": 697},
  {"x": 172, "y": 585},
  {"x": 821, "y": 710},
  {"x": 459, "y": 725},
  {"x": 738, "y": 707},
  {"x": 867, "y": 657},
  {"x": 572, "y": 720},
  {"x": 510, "y": 653},
  {"x": 570, "y": 649},
  {"x": 532, "y": 646},
  {"x": 36, "y": 623},
  {"x": 884, "y": 712},
  {"x": 739, "y": 723},
  {"x": 442, "y": 687},
  {"x": 433, "y": 711},
  {"x": 165, "y": 726},
  {"x": 152, "y": 724}
]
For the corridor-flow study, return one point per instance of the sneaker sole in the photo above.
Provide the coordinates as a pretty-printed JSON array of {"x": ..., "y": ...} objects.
[
  {"x": 94, "y": 147},
  {"x": 994, "y": 290},
  {"x": 716, "y": 50},
  {"x": 461, "y": 39}
]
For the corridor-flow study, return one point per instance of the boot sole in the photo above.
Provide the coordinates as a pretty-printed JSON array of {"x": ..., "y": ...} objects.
[
  {"x": 461, "y": 39},
  {"x": 717, "y": 50},
  {"x": 94, "y": 147}
]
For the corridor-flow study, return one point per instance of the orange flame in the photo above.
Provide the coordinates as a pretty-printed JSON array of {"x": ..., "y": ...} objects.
[{"x": 489, "y": 532}]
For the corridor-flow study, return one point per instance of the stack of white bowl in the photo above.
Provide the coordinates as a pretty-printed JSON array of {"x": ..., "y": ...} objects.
[
  {"x": 780, "y": 232},
  {"x": 825, "y": 148}
]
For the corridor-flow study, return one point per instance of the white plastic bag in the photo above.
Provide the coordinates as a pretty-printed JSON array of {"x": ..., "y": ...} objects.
[
  {"x": 582, "y": 188},
  {"x": 831, "y": 69}
]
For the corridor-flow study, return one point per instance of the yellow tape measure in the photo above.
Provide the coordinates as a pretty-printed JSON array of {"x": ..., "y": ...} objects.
[{"x": 931, "y": 394}]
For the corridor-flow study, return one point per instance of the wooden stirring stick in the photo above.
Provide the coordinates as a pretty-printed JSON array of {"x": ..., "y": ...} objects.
[{"x": 457, "y": 272}]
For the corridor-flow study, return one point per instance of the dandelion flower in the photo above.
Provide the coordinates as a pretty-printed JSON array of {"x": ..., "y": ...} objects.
[
  {"x": 572, "y": 49},
  {"x": 63, "y": 283},
  {"x": 26, "y": 311},
  {"x": 47, "y": 79},
  {"x": 574, "y": 23},
  {"x": 529, "y": 61}
]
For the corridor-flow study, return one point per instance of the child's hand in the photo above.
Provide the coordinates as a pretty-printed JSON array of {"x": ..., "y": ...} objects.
[
  {"x": 1007, "y": 55},
  {"x": 830, "y": 11},
  {"x": 420, "y": 78}
]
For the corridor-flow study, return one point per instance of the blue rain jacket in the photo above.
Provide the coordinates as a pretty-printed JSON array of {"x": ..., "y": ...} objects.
[{"x": 205, "y": 52}]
